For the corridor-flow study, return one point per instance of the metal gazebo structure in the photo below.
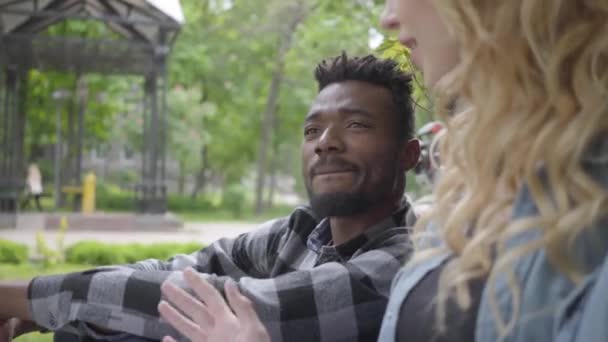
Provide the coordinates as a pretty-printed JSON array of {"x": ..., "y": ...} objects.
[{"x": 147, "y": 29}]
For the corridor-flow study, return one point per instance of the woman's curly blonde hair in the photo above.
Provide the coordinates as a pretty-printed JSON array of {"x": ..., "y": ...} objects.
[{"x": 533, "y": 79}]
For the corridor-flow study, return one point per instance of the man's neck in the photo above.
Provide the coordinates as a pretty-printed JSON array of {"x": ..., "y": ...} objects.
[{"x": 344, "y": 228}]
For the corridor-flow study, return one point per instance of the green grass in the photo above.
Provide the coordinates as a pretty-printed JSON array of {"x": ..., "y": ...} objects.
[
  {"x": 28, "y": 271},
  {"x": 35, "y": 337},
  {"x": 226, "y": 216},
  {"x": 218, "y": 215}
]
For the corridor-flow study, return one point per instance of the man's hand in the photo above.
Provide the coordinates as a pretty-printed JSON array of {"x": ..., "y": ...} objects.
[
  {"x": 209, "y": 318},
  {"x": 13, "y": 296},
  {"x": 14, "y": 327}
]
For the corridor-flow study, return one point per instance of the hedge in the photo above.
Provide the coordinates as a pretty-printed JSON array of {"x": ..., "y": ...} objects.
[
  {"x": 125, "y": 201},
  {"x": 97, "y": 254},
  {"x": 12, "y": 252}
]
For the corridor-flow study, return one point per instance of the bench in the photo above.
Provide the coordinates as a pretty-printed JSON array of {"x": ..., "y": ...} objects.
[{"x": 76, "y": 193}]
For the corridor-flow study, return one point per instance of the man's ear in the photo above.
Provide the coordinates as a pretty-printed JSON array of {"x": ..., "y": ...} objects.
[{"x": 410, "y": 154}]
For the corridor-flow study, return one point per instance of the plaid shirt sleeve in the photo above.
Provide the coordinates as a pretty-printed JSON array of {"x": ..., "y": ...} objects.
[
  {"x": 329, "y": 302},
  {"x": 228, "y": 256},
  {"x": 124, "y": 298}
]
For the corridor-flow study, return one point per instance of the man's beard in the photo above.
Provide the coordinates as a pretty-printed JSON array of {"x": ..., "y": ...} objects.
[
  {"x": 359, "y": 201},
  {"x": 339, "y": 204}
]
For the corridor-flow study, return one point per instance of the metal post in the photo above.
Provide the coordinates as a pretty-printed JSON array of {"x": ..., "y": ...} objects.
[
  {"x": 154, "y": 130},
  {"x": 163, "y": 147},
  {"x": 58, "y": 96},
  {"x": 80, "y": 135},
  {"x": 161, "y": 54},
  {"x": 58, "y": 156},
  {"x": 150, "y": 143},
  {"x": 9, "y": 177},
  {"x": 6, "y": 126},
  {"x": 142, "y": 191},
  {"x": 151, "y": 195},
  {"x": 163, "y": 128},
  {"x": 20, "y": 122},
  {"x": 10, "y": 119},
  {"x": 14, "y": 146}
]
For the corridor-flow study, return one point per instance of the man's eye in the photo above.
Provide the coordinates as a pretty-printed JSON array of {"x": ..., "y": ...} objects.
[
  {"x": 310, "y": 131},
  {"x": 357, "y": 125}
]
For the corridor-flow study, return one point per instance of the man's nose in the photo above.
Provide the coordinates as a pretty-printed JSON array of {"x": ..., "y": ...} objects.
[{"x": 330, "y": 141}]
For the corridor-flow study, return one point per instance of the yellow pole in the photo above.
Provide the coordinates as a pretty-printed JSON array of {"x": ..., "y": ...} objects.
[{"x": 88, "y": 193}]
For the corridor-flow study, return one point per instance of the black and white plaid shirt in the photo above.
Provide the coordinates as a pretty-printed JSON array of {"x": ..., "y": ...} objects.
[{"x": 302, "y": 288}]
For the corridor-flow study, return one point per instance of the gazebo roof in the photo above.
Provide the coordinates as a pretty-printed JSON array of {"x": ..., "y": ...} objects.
[{"x": 147, "y": 29}]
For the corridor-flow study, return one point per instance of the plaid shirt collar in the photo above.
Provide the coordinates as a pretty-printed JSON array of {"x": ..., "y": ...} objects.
[{"x": 319, "y": 239}]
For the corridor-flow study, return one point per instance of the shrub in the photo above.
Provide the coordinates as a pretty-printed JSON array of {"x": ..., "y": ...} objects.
[
  {"x": 181, "y": 203},
  {"x": 234, "y": 199},
  {"x": 48, "y": 255},
  {"x": 111, "y": 197},
  {"x": 93, "y": 253},
  {"x": 97, "y": 254},
  {"x": 12, "y": 252},
  {"x": 124, "y": 201},
  {"x": 126, "y": 177}
]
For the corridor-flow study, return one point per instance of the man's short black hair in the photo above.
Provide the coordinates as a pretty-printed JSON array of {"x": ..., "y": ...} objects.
[{"x": 382, "y": 72}]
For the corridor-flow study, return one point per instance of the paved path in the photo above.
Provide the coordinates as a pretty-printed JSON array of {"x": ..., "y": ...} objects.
[{"x": 202, "y": 232}]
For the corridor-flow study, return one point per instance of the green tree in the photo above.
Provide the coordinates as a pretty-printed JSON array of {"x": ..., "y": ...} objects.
[{"x": 187, "y": 130}]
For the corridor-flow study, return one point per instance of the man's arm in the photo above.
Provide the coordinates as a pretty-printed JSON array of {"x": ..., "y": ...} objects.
[
  {"x": 226, "y": 256},
  {"x": 15, "y": 318},
  {"x": 331, "y": 301},
  {"x": 13, "y": 296},
  {"x": 56, "y": 301}
]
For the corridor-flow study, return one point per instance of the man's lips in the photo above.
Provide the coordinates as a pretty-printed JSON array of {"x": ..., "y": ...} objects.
[
  {"x": 326, "y": 169},
  {"x": 331, "y": 172},
  {"x": 335, "y": 166}
]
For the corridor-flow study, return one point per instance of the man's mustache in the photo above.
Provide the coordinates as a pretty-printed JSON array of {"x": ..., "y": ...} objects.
[{"x": 329, "y": 165}]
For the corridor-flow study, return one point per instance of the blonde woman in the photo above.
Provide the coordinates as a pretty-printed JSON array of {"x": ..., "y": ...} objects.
[
  {"x": 521, "y": 201},
  {"x": 515, "y": 247}
]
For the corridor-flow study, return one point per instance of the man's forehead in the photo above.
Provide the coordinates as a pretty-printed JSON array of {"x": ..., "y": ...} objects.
[
  {"x": 351, "y": 95},
  {"x": 334, "y": 104},
  {"x": 350, "y": 89}
]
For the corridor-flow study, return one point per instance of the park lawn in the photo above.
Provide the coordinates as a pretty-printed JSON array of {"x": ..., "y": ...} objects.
[
  {"x": 28, "y": 271},
  {"x": 35, "y": 337},
  {"x": 224, "y": 215}
]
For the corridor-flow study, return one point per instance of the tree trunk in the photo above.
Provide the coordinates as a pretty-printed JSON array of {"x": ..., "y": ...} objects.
[
  {"x": 201, "y": 177},
  {"x": 181, "y": 178},
  {"x": 274, "y": 166},
  {"x": 299, "y": 14},
  {"x": 67, "y": 170},
  {"x": 272, "y": 188}
]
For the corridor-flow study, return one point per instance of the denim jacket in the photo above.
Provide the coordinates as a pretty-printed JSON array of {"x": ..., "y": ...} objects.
[{"x": 551, "y": 308}]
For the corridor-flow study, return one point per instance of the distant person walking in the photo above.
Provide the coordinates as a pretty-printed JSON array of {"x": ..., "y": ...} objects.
[{"x": 33, "y": 188}]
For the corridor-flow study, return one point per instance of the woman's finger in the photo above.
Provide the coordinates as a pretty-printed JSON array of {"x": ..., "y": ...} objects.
[
  {"x": 168, "y": 339},
  {"x": 242, "y": 306},
  {"x": 187, "y": 304},
  {"x": 207, "y": 293},
  {"x": 246, "y": 315},
  {"x": 182, "y": 323}
]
